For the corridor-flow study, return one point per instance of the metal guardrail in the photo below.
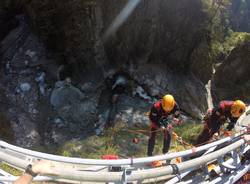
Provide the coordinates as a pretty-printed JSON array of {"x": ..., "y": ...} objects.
[
  {"x": 131, "y": 161},
  {"x": 134, "y": 170}
]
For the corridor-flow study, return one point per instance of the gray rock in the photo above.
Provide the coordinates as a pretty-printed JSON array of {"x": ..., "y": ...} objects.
[
  {"x": 141, "y": 93},
  {"x": 131, "y": 110},
  {"x": 26, "y": 132},
  {"x": 26, "y": 110},
  {"x": 40, "y": 79},
  {"x": 189, "y": 92},
  {"x": 25, "y": 87},
  {"x": 76, "y": 111},
  {"x": 59, "y": 122},
  {"x": 65, "y": 94},
  {"x": 30, "y": 53}
]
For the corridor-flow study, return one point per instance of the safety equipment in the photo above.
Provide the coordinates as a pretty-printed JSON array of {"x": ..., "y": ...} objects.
[
  {"x": 110, "y": 157},
  {"x": 238, "y": 108},
  {"x": 178, "y": 160},
  {"x": 168, "y": 103},
  {"x": 164, "y": 122},
  {"x": 227, "y": 133},
  {"x": 211, "y": 167},
  {"x": 156, "y": 163}
]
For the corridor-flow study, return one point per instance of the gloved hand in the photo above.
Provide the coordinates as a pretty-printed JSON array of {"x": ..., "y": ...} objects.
[
  {"x": 177, "y": 121},
  {"x": 163, "y": 128},
  {"x": 216, "y": 136},
  {"x": 227, "y": 133},
  {"x": 164, "y": 122},
  {"x": 169, "y": 127}
]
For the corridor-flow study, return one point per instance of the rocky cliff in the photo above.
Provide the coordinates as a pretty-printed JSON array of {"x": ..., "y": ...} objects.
[
  {"x": 231, "y": 80},
  {"x": 63, "y": 72},
  {"x": 173, "y": 34}
]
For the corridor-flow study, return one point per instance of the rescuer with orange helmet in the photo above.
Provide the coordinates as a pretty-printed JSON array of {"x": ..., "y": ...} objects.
[
  {"x": 158, "y": 117},
  {"x": 226, "y": 111}
]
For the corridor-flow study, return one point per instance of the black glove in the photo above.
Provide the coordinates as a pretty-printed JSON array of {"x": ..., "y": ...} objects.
[
  {"x": 230, "y": 126},
  {"x": 164, "y": 122}
]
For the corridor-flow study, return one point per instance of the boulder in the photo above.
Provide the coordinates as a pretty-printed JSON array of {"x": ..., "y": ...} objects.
[
  {"x": 232, "y": 79},
  {"x": 77, "y": 111}
]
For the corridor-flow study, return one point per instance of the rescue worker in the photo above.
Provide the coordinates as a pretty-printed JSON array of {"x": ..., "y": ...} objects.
[
  {"x": 226, "y": 111},
  {"x": 158, "y": 117}
]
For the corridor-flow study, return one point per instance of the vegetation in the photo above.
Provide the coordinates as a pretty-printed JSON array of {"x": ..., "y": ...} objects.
[
  {"x": 119, "y": 141},
  {"x": 222, "y": 49},
  {"x": 10, "y": 169},
  {"x": 6, "y": 132},
  {"x": 221, "y": 24}
]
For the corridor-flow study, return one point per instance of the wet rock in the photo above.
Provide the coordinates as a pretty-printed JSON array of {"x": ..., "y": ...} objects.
[
  {"x": 30, "y": 53},
  {"x": 141, "y": 93},
  {"x": 120, "y": 80},
  {"x": 25, "y": 87},
  {"x": 65, "y": 94},
  {"x": 40, "y": 79},
  {"x": 73, "y": 107},
  {"x": 59, "y": 123}
]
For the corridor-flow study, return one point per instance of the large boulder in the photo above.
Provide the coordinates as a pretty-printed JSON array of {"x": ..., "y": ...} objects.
[
  {"x": 76, "y": 111},
  {"x": 232, "y": 79}
]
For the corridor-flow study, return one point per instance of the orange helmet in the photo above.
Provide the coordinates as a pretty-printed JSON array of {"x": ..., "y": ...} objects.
[
  {"x": 238, "y": 108},
  {"x": 168, "y": 103}
]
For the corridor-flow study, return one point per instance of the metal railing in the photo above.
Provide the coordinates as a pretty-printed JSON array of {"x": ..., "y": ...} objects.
[{"x": 133, "y": 169}]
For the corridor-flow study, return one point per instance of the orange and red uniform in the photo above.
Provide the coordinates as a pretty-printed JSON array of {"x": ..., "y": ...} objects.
[
  {"x": 215, "y": 118},
  {"x": 157, "y": 114}
]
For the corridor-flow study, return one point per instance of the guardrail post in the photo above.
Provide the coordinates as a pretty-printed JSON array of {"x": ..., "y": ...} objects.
[
  {"x": 235, "y": 157},
  {"x": 124, "y": 176},
  {"x": 220, "y": 161},
  {"x": 205, "y": 170}
]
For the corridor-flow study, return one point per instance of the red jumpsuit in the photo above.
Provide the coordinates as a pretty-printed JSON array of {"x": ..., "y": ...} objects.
[
  {"x": 156, "y": 115},
  {"x": 214, "y": 119}
]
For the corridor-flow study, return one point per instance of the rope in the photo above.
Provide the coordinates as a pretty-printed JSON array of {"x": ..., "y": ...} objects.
[
  {"x": 143, "y": 131},
  {"x": 175, "y": 137}
]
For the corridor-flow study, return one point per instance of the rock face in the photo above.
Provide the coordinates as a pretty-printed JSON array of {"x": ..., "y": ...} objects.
[
  {"x": 159, "y": 80},
  {"x": 163, "y": 47},
  {"x": 240, "y": 16},
  {"x": 170, "y": 32},
  {"x": 22, "y": 58},
  {"x": 231, "y": 80},
  {"x": 166, "y": 33}
]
